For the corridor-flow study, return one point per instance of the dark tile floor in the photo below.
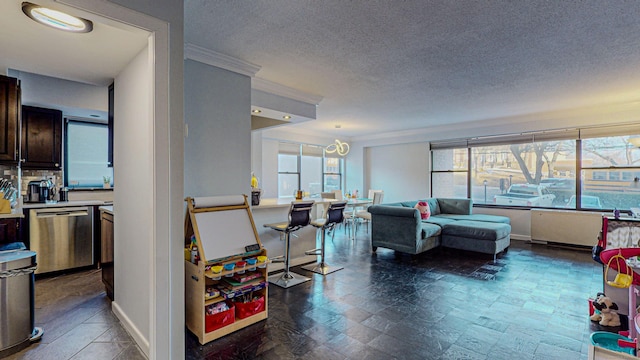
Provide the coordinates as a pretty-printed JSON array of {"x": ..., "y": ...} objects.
[
  {"x": 443, "y": 304},
  {"x": 76, "y": 316}
]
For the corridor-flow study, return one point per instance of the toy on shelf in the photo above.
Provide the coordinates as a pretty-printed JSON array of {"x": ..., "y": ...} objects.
[
  {"x": 621, "y": 266},
  {"x": 595, "y": 314},
  {"x": 608, "y": 311},
  {"x": 625, "y": 274},
  {"x": 614, "y": 342}
]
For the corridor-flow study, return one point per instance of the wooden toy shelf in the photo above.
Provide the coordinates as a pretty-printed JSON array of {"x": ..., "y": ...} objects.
[{"x": 224, "y": 233}]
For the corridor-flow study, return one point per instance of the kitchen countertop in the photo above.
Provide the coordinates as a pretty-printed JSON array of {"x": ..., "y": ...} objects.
[
  {"x": 270, "y": 203},
  {"x": 15, "y": 213},
  {"x": 284, "y": 203},
  {"x": 62, "y": 204},
  {"x": 108, "y": 209}
]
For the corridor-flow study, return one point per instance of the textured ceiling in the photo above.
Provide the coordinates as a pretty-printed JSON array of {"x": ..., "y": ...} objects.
[{"x": 397, "y": 65}]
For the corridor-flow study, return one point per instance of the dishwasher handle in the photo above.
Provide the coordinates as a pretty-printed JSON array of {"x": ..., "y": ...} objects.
[{"x": 47, "y": 213}]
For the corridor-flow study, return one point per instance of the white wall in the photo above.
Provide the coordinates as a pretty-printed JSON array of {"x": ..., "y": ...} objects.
[
  {"x": 133, "y": 197},
  {"x": 217, "y": 150},
  {"x": 401, "y": 171},
  {"x": 268, "y": 173}
]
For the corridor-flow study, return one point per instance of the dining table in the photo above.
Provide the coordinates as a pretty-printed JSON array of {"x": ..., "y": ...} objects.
[{"x": 353, "y": 205}]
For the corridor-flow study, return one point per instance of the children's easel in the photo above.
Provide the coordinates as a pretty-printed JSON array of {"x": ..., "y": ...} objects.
[
  {"x": 223, "y": 227},
  {"x": 224, "y": 234}
]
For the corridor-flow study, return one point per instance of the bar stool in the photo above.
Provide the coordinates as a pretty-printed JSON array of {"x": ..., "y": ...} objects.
[
  {"x": 299, "y": 217},
  {"x": 333, "y": 217}
]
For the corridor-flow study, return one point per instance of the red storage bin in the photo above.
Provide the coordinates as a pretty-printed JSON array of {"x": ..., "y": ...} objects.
[
  {"x": 219, "y": 320},
  {"x": 244, "y": 310}
]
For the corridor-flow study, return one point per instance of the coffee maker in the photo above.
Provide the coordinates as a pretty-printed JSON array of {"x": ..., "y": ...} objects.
[{"x": 39, "y": 191}]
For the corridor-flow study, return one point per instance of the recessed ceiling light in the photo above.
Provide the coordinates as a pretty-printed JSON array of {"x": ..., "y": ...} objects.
[
  {"x": 287, "y": 117},
  {"x": 56, "y": 19},
  {"x": 256, "y": 111}
]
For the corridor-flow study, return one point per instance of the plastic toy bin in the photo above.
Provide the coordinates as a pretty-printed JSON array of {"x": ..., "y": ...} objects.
[
  {"x": 244, "y": 310},
  {"x": 216, "y": 321}
]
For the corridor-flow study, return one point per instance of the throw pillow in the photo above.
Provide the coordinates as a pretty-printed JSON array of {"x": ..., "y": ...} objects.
[{"x": 424, "y": 209}]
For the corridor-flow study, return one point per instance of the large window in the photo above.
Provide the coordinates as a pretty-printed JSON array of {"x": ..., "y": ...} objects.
[
  {"x": 307, "y": 168},
  {"x": 86, "y": 154},
  {"x": 586, "y": 171},
  {"x": 450, "y": 172},
  {"x": 610, "y": 173}
]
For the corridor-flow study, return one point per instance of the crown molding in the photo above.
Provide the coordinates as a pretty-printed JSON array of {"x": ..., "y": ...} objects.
[
  {"x": 213, "y": 58},
  {"x": 285, "y": 91}
]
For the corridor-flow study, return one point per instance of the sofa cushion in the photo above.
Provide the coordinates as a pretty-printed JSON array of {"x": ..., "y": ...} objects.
[
  {"x": 393, "y": 204},
  {"x": 434, "y": 206},
  {"x": 429, "y": 230},
  {"x": 477, "y": 229},
  {"x": 439, "y": 220},
  {"x": 479, "y": 217},
  {"x": 455, "y": 206},
  {"x": 409, "y": 204}
]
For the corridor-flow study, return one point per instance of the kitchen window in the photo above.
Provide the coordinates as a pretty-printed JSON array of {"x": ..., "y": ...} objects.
[{"x": 86, "y": 153}]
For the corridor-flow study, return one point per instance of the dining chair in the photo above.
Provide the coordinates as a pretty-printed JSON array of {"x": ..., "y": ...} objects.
[
  {"x": 364, "y": 216},
  {"x": 371, "y": 192}
]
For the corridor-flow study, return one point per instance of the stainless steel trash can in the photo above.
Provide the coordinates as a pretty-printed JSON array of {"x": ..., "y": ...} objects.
[{"x": 17, "y": 281}]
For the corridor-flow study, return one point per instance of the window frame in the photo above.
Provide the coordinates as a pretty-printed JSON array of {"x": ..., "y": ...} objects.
[
  {"x": 298, "y": 173},
  {"x": 623, "y": 172},
  {"x": 97, "y": 123}
]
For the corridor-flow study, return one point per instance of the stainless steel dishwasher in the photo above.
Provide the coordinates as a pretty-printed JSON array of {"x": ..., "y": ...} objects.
[{"x": 62, "y": 237}]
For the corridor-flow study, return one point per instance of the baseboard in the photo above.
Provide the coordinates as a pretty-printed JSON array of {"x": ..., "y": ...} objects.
[
  {"x": 131, "y": 328},
  {"x": 520, "y": 237}
]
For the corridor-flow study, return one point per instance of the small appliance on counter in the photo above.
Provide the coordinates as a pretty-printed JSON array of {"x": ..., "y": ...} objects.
[
  {"x": 40, "y": 191},
  {"x": 64, "y": 194}
]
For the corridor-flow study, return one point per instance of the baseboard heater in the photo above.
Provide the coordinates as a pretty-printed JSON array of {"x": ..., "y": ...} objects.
[{"x": 565, "y": 226}]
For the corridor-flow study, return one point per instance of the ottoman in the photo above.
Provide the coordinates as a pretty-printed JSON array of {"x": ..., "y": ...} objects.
[{"x": 478, "y": 236}]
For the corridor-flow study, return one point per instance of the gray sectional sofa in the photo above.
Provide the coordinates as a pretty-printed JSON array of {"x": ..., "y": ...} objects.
[{"x": 398, "y": 226}]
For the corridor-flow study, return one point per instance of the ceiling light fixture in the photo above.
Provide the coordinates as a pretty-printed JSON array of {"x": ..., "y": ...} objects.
[
  {"x": 287, "y": 117},
  {"x": 339, "y": 147},
  {"x": 56, "y": 19},
  {"x": 256, "y": 111}
]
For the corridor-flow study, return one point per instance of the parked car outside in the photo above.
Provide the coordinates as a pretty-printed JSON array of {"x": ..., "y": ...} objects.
[
  {"x": 587, "y": 202},
  {"x": 533, "y": 195}
]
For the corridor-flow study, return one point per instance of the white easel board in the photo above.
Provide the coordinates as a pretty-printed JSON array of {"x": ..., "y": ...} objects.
[{"x": 223, "y": 226}]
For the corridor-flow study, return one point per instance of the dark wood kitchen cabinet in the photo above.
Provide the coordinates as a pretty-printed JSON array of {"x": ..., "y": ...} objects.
[
  {"x": 106, "y": 251},
  {"x": 41, "y": 143},
  {"x": 9, "y": 119},
  {"x": 10, "y": 230}
]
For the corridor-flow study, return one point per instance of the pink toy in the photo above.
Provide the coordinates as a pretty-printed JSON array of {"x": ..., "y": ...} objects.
[{"x": 424, "y": 209}]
